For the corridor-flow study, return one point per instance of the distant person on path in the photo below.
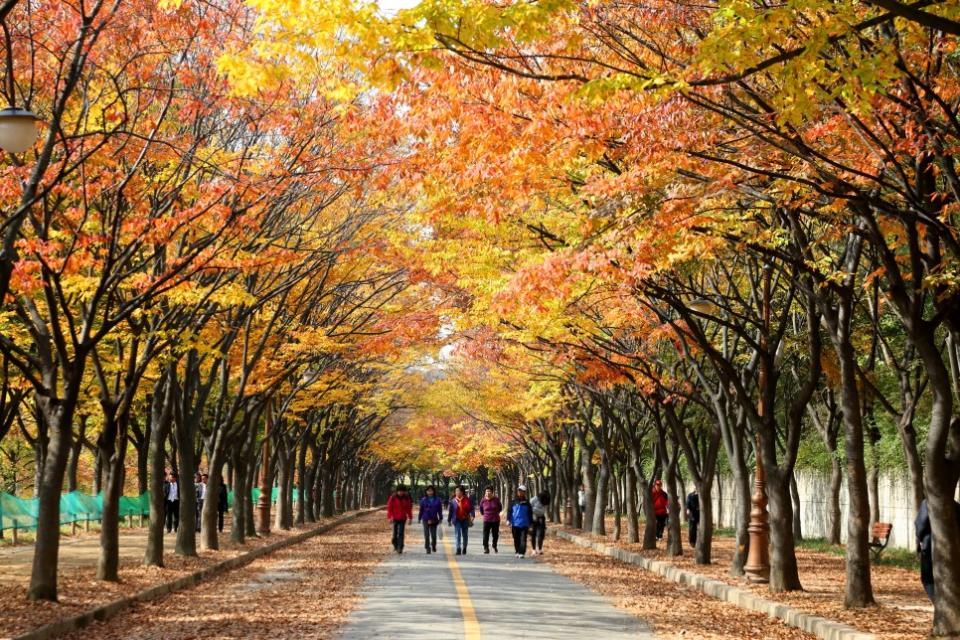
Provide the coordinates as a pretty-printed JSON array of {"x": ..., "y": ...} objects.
[
  {"x": 399, "y": 512},
  {"x": 461, "y": 517},
  {"x": 201, "y": 486},
  {"x": 490, "y": 509},
  {"x": 222, "y": 504},
  {"x": 925, "y": 546},
  {"x": 693, "y": 515},
  {"x": 582, "y": 500},
  {"x": 538, "y": 530},
  {"x": 660, "y": 502},
  {"x": 520, "y": 516},
  {"x": 430, "y": 514},
  {"x": 171, "y": 497}
]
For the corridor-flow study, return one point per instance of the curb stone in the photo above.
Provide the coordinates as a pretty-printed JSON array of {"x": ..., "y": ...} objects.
[
  {"x": 110, "y": 609},
  {"x": 822, "y": 628}
]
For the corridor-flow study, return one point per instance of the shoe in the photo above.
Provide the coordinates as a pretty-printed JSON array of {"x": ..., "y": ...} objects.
[
  {"x": 495, "y": 549},
  {"x": 428, "y": 550},
  {"x": 486, "y": 551},
  {"x": 434, "y": 549},
  {"x": 518, "y": 555},
  {"x": 458, "y": 552}
]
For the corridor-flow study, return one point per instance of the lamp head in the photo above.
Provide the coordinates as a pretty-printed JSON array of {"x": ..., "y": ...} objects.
[
  {"x": 18, "y": 129},
  {"x": 702, "y": 305}
]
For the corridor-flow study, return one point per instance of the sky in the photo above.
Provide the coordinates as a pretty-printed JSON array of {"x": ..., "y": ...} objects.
[{"x": 392, "y": 6}]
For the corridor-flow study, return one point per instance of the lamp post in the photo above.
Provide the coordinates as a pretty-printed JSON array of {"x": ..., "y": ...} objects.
[
  {"x": 266, "y": 485},
  {"x": 757, "y": 568}
]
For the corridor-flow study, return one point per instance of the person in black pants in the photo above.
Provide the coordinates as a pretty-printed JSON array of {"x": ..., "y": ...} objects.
[
  {"x": 222, "y": 505},
  {"x": 538, "y": 528},
  {"x": 925, "y": 546},
  {"x": 171, "y": 496},
  {"x": 693, "y": 515},
  {"x": 490, "y": 508},
  {"x": 399, "y": 512},
  {"x": 520, "y": 516}
]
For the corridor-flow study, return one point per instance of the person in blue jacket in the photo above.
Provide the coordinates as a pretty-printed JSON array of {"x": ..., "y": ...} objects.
[
  {"x": 520, "y": 516},
  {"x": 431, "y": 512}
]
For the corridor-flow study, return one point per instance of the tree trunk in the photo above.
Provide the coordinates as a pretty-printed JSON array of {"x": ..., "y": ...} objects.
[
  {"x": 160, "y": 418},
  {"x": 633, "y": 525},
  {"x": 143, "y": 460},
  {"x": 76, "y": 449},
  {"x": 675, "y": 541},
  {"x": 241, "y": 488},
  {"x": 833, "y": 506},
  {"x": 186, "y": 534},
  {"x": 301, "y": 482},
  {"x": 327, "y": 491},
  {"x": 859, "y": 591},
  {"x": 617, "y": 507},
  {"x": 742, "y": 506},
  {"x": 784, "y": 575},
  {"x": 108, "y": 564},
  {"x": 703, "y": 550},
  {"x": 600, "y": 501},
  {"x": 209, "y": 535},
  {"x": 795, "y": 498},
  {"x": 46, "y": 549}
]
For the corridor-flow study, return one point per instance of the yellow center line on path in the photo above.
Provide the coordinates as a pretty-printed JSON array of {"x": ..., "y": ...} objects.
[{"x": 471, "y": 626}]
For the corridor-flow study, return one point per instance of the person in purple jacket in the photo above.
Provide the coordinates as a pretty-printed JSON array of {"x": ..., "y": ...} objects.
[
  {"x": 431, "y": 512},
  {"x": 490, "y": 508}
]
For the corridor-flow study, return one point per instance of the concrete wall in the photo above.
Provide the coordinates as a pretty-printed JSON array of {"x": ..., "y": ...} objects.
[{"x": 895, "y": 494}]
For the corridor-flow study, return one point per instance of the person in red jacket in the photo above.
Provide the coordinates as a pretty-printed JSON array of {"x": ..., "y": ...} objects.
[
  {"x": 660, "y": 502},
  {"x": 399, "y": 512}
]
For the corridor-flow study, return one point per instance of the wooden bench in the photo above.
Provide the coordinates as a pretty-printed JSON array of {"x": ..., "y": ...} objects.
[{"x": 879, "y": 538}]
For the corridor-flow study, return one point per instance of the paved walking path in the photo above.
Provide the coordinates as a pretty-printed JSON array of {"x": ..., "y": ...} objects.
[{"x": 443, "y": 596}]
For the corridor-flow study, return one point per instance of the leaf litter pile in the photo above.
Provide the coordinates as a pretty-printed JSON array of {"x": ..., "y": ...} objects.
[
  {"x": 903, "y": 611},
  {"x": 80, "y": 591},
  {"x": 673, "y": 610},
  {"x": 304, "y": 591}
]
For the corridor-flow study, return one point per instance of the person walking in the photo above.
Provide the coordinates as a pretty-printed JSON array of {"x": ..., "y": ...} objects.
[
  {"x": 201, "y": 486},
  {"x": 223, "y": 504},
  {"x": 693, "y": 515},
  {"x": 538, "y": 529},
  {"x": 430, "y": 514},
  {"x": 461, "y": 517},
  {"x": 520, "y": 515},
  {"x": 490, "y": 509},
  {"x": 399, "y": 512},
  {"x": 171, "y": 497},
  {"x": 660, "y": 503}
]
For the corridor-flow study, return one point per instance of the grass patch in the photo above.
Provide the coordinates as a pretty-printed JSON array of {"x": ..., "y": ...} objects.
[{"x": 891, "y": 557}]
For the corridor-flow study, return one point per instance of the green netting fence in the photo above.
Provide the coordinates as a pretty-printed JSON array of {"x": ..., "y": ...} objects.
[{"x": 77, "y": 507}]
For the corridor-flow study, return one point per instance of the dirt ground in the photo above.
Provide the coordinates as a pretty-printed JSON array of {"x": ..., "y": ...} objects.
[
  {"x": 79, "y": 590},
  {"x": 903, "y": 611}
]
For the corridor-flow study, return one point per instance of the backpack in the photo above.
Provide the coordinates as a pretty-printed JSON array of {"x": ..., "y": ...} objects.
[{"x": 520, "y": 514}]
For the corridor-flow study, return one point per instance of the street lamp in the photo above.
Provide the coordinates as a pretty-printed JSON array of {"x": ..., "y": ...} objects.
[
  {"x": 757, "y": 567},
  {"x": 758, "y": 557},
  {"x": 18, "y": 129}
]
